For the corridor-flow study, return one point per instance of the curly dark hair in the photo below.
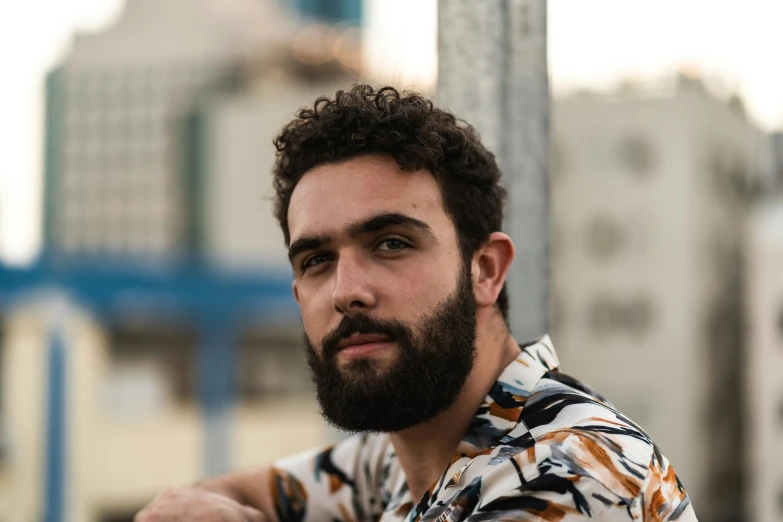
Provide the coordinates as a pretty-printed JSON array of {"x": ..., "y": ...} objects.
[{"x": 407, "y": 127}]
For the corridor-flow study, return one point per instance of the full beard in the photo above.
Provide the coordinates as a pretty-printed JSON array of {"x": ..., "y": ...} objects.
[{"x": 426, "y": 376}]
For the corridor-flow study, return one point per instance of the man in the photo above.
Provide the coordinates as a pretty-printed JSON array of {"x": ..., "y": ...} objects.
[{"x": 392, "y": 212}]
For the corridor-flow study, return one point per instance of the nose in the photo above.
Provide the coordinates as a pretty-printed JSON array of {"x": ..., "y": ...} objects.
[{"x": 353, "y": 286}]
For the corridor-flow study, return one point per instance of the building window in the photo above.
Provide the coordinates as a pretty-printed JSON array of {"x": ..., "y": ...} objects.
[
  {"x": 613, "y": 315},
  {"x": 603, "y": 313},
  {"x": 636, "y": 155},
  {"x": 272, "y": 365},
  {"x": 150, "y": 369},
  {"x": 727, "y": 172},
  {"x": 604, "y": 237}
]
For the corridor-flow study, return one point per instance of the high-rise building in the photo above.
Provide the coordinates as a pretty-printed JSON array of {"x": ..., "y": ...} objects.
[
  {"x": 240, "y": 231},
  {"x": 650, "y": 198},
  {"x": 121, "y": 173},
  {"x": 133, "y": 133},
  {"x": 764, "y": 364}
]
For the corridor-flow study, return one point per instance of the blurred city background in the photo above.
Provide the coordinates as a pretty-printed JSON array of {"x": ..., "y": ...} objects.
[{"x": 147, "y": 332}]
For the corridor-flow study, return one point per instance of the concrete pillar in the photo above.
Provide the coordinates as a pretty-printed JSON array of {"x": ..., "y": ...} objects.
[{"x": 493, "y": 74}]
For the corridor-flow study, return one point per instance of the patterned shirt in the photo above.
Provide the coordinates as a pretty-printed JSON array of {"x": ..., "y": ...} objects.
[{"x": 543, "y": 446}]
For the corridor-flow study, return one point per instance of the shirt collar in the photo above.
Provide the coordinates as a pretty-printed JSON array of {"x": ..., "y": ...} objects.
[{"x": 502, "y": 408}]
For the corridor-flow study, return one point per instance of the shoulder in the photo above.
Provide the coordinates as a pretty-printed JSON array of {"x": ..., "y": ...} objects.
[
  {"x": 575, "y": 431},
  {"x": 573, "y": 449},
  {"x": 560, "y": 403},
  {"x": 333, "y": 478}
]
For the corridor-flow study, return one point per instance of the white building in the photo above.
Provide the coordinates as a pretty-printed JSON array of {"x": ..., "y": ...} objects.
[
  {"x": 240, "y": 230},
  {"x": 147, "y": 152},
  {"x": 121, "y": 174},
  {"x": 764, "y": 365},
  {"x": 649, "y": 195}
]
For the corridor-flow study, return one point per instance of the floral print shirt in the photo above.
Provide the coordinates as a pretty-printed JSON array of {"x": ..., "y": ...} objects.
[{"x": 542, "y": 447}]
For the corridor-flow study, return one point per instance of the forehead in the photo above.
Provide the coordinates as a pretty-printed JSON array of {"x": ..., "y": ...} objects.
[{"x": 331, "y": 197}]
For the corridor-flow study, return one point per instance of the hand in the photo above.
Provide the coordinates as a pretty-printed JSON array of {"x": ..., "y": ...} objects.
[{"x": 195, "y": 504}]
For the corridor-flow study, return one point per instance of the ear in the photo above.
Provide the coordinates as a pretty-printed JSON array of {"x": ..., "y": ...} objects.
[
  {"x": 489, "y": 268},
  {"x": 295, "y": 291}
]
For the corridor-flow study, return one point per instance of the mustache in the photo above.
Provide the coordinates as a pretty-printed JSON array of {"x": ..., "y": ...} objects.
[{"x": 363, "y": 324}]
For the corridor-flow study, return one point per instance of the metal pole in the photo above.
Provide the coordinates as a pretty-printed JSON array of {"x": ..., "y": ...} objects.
[
  {"x": 217, "y": 371},
  {"x": 55, "y": 475},
  {"x": 493, "y": 74}
]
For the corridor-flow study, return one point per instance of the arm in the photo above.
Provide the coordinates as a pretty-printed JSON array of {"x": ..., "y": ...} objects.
[
  {"x": 247, "y": 487},
  {"x": 322, "y": 481},
  {"x": 241, "y": 496}
]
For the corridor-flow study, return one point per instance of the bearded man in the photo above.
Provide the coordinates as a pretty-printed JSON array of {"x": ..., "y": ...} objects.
[{"x": 392, "y": 212}]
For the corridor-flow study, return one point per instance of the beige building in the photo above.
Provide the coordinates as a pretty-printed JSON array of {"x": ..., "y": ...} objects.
[
  {"x": 133, "y": 424},
  {"x": 764, "y": 364},
  {"x": 649, "y": 202},
  {"x": 159, "y": 146}
]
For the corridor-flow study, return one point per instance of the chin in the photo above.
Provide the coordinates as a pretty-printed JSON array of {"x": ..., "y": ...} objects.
[{"x": 365, "y": 369}]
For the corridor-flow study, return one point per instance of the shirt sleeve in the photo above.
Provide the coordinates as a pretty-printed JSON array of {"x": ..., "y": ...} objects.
[
  {"x": 663, "y": 497},
  {"x": 333, "y": 482},
  {"x": 566, "y": 495},
  {"x": 573, "y": 498},
  {"x": 554, "y": 497},
  {"x": 575, "y": 476}
]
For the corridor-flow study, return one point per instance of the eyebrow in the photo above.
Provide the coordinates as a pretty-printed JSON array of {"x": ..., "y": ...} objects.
[
  {"x": 366, "y": 226},
  {"x": 388, "y": 219},
  {"x": 306, "y": 243}
]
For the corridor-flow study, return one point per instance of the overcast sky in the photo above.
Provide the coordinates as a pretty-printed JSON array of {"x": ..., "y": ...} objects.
[{"x": 592, "y": 43}]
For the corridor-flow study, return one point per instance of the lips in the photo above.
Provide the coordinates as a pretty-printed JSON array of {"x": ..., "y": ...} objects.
[{"x": 360, "y": 339}]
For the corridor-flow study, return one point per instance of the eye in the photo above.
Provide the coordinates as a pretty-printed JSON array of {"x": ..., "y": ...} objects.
[
  {"x": 315, "y": 260},
  {"x": 391, "y": 244}
]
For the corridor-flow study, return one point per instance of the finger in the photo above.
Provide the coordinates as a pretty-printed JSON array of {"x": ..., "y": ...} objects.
[{"x": 253, "y": 515}]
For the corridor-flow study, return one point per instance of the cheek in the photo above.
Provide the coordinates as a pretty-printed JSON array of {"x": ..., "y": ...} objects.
[
  {"x": 317, "y": 311},
  {"x": 422, "y": 287}
]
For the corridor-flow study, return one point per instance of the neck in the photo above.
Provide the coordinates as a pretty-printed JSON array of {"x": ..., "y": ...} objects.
[{"x": 425, "y": 451}]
